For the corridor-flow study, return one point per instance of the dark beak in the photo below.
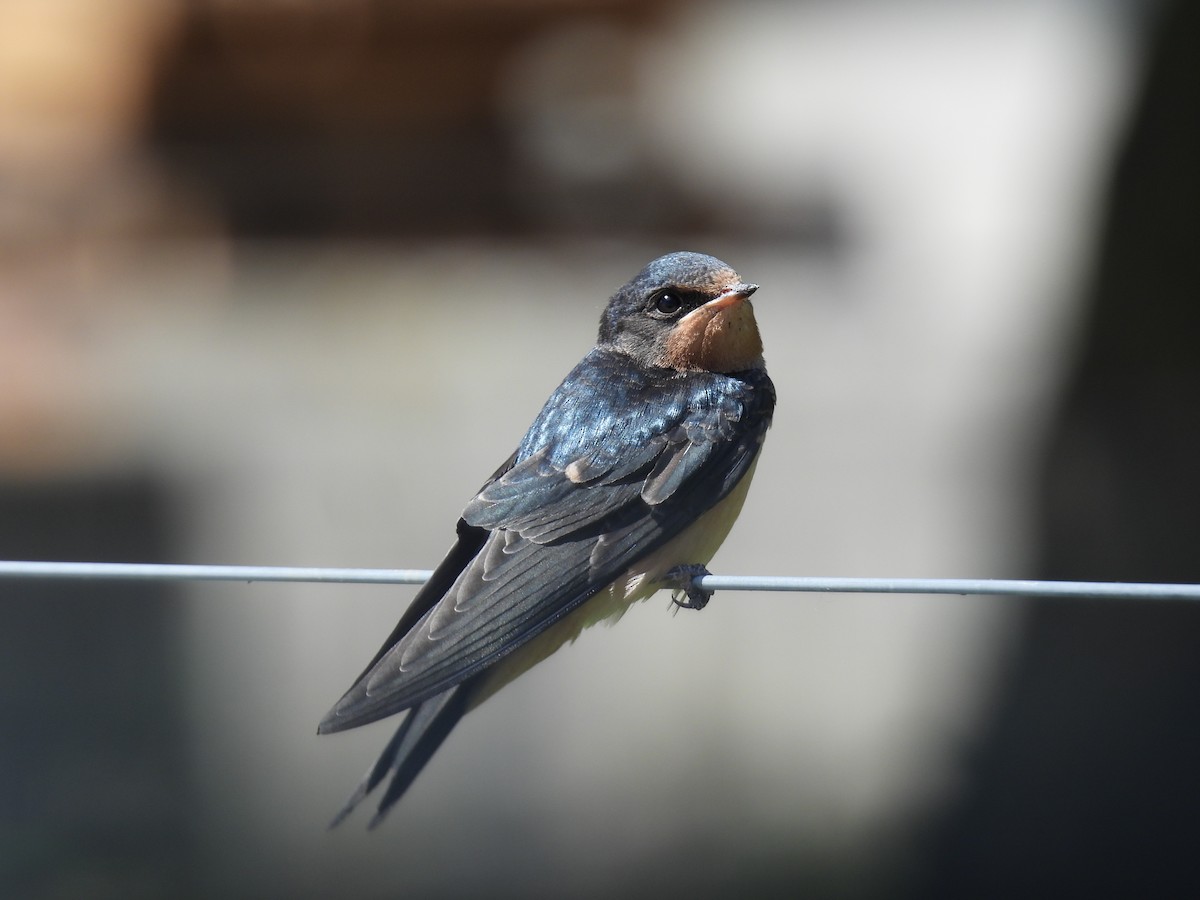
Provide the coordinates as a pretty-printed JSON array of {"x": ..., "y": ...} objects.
[{"x": 735, "y": 294}]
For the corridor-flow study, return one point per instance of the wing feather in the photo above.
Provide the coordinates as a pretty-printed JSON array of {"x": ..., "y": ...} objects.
[{"x": 617, "y": 464}]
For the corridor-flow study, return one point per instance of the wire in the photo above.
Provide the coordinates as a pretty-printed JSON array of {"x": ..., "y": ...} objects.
[
  {"x": 87, "y": 571},
  {"x": 1095, "y": 590}
]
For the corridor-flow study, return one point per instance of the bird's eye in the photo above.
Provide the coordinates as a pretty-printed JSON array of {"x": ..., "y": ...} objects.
[{"x": 667, "y": 302}]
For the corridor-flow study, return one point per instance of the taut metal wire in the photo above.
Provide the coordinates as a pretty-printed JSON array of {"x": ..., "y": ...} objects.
[{"x": 1090, "y": 590}]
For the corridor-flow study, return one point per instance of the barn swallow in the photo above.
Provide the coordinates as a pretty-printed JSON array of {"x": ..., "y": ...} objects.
[{"x": 628, "y": 480}]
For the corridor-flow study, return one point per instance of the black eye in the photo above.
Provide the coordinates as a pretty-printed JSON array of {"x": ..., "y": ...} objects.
[{"x": 668, "y": 302}]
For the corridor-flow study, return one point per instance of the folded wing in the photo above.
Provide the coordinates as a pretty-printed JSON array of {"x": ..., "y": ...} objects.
[{"x": 588, "y": 493}]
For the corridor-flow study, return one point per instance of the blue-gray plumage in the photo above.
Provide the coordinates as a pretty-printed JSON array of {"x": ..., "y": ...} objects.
[{"x": 655, "y": 431}]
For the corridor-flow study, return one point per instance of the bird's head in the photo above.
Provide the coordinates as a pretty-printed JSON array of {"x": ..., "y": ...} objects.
[{"x": 685, "y": 311}]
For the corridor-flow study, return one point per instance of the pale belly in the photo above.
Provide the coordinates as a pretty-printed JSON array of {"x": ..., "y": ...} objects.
[{"x": 695, "y": 545}]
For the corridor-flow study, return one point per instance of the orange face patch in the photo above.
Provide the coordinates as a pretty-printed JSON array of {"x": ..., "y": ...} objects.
[{"x": 720, "y": 336}]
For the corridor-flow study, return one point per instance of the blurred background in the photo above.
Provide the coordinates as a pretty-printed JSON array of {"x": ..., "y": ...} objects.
[{"x": 282, "y": 281}]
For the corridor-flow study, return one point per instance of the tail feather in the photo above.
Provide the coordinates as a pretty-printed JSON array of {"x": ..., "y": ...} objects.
[
  {"x": 411, "y": 747},
  {"x": 377, "y": 772}
]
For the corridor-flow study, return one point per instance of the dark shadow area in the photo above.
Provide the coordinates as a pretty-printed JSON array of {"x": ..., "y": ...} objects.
[
  {"x": 1087, "y": 783},
  {"x": 390, "y": 121},
  {"x": 94, "y": 796},
  {"x": 379, "y": 120}
]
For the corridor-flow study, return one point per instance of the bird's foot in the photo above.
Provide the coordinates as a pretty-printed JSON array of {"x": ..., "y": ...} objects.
[{"x": 685, "y": 593}]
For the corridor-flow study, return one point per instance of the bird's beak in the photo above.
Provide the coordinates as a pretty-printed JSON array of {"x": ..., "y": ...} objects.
[{"x": 735, "y": 294}]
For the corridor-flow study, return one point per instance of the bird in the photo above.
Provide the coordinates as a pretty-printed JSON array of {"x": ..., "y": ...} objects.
[{"x": 628, "y": 481}]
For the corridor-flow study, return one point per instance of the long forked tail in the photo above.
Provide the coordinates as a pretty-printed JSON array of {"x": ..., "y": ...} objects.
[{"x": 411, "y": 747}]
